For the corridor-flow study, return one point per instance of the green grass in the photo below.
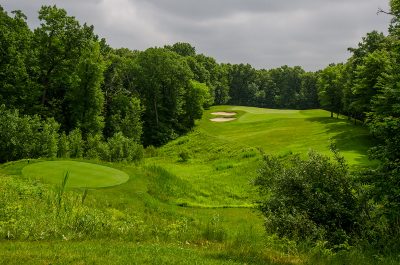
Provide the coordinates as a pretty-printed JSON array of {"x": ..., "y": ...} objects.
[
  {"x": 117, "y": 252},
  {"x": 296, "y": 131},
  {"x": 81, "y": 175},
  {"x": 170, "y": 211}
]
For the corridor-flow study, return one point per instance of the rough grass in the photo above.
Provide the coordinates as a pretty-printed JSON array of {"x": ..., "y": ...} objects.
[
  {"x": 81, "y": 175},
  {"x": 170, "y": 211}
]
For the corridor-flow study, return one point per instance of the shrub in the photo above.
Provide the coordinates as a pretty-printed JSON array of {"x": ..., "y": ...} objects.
[
  {"x": 104, "y": 151},
  {"x": 63, "y": 146},
  {"x": 184, "y": 156},
  {"x": 76, "y": 143},
  {"x": 48, "y": 138},
  {"x": 151, "y": 151},
  {"x": 26, "y": 136},
  {"x": 310, "y": 198},
  {"x": 124, "y": 149},
  {"x": 93, "y": 146}
]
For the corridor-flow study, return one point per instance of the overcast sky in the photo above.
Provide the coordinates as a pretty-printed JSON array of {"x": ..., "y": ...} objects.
[{"x": 264, "y": 33}]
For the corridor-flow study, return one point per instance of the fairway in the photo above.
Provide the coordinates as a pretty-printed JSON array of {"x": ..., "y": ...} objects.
[
  {"x": 81, "y": 175},
  {"x": 225, "y": 157},
  {"x": 291, "y": 131}
]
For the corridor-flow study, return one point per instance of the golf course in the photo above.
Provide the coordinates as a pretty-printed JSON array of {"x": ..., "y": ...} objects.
[
  {"x": 272, "y": 139},
  {"x": 192, "y": 209}
]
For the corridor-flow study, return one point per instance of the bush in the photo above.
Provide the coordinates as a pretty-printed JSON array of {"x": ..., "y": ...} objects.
[
  {"x": 184, "y": 156},
  {"x": 63, "y": 146},
  {"x": 151, "y": 151},
  {"x": 48, "y": 139},
  {"x": 76, "y": 143},
  {"x": 93, "y": 146},
  {"x": 26, "y": 136},
  {"x": 124, "y": 149},
  {"x": 310, "y": 199},
  {"x": 104, "y": 151}
]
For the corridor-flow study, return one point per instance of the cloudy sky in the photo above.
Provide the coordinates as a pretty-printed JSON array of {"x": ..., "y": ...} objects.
[{"x": 264, "y": 33}]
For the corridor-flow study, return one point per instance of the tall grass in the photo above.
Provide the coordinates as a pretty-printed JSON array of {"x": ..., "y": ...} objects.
[
  {"x": 170, "y": 211},
  {"x": 33, "y": 211}
]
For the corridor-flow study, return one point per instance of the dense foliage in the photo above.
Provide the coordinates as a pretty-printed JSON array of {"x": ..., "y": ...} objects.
[
  {"x": 64, "y": 71},
  {"x": 64, "y": 92},
  {"x": 309, "y": 199},
  {"x": 315, "y": 198},
  {"x": 98, "y": 99}
]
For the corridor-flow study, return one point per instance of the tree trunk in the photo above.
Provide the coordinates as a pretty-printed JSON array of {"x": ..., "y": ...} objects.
[
  {"x": 156, "y": 110},
  {"x": 331, "y": 114}
]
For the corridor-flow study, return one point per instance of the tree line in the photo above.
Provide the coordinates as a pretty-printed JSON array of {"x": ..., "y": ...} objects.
[
  {"x": 62, "y": 75},
  {"x": 320, "y": 199},
  {"x": 367, "y": 88},
  {"x": 63, "y": 71},
  {"x": 65, "y": 92}
]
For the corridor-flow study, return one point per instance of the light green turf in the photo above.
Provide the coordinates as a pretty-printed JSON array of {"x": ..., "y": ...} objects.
[
  {"x": 225, "y": 157},
  {"x": 291, "y": 131},
  {"x": 198, "y": 211},
  {"x": 81, "y": 175}
]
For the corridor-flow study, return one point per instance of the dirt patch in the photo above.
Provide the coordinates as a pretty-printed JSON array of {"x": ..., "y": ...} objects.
[
  {"x": 223, "y": 113},
  {"x": 222, "y": 119}
]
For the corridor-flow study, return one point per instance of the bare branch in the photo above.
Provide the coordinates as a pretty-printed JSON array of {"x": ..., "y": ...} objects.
[{"x": 380, "y": 10}]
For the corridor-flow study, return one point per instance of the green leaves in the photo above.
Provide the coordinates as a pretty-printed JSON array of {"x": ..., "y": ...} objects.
[
  {"x": 85, "y": 98},
  {"x": 161, "y": 81},
  {"x": 310, "y": 199},
  {"x": 330, "y": 88},
  {"x": 25, "y": 136}
]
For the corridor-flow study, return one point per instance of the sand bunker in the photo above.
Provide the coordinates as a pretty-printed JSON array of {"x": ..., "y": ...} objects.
[
  {"x": 222, "y": 119},
  {"x": 223, "y": 113}
]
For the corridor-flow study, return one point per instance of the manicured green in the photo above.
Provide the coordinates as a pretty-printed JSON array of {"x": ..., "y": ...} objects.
[
  {"x": 81, "y": 175},
  {"x": 291, "y": 131}
]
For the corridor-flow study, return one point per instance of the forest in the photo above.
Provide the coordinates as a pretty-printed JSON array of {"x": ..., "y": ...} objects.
[{"x": 66, "y": 94}]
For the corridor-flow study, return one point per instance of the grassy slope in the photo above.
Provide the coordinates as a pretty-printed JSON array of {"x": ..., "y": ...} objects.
[
  {"x": 297, "y": 131},
  {"x": 214, "y": 226}
]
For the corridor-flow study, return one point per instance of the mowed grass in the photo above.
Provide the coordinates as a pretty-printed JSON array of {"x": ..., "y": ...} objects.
[
  {"x": 80, "y": 174},
  {"x": 283, "y": 132},
  {"x": 169, "y": 211},
  {"x": 225, "y": 157}
]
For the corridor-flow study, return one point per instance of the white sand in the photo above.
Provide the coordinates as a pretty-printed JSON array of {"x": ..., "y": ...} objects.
[
  {"x": 222, "y": 119},
  {"x": 222, "y": 113}
]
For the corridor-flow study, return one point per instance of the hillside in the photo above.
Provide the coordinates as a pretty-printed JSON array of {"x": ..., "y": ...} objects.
[{"x": 196, "y": 207}]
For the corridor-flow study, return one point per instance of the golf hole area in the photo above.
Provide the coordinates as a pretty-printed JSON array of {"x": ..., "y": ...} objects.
[{"x": 81, "y": 174}]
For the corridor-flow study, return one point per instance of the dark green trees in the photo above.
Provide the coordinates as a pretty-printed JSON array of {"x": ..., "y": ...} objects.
[
  {"x": 71, "y": 71},
  {"x": 308, "y": 95},
  {"x": 161, "y": 81},
  {"x": 17, "y": 89},
  {"x": 285, "y": 87},
  {"x": 384, "y": 122},
  {"x": 26, "y": 136},
  {"x": 330, "y": 87},
  {"x": 84, "y": 97},
  {"x": 241, "y": 77},
  {"x": 309, "y": 199}
]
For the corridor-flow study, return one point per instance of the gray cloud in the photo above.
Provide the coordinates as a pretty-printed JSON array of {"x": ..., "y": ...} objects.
[{"x": 264, "y": 33}]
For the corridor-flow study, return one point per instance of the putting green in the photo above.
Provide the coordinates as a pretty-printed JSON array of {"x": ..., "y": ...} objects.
[{"x": 81, "y": 175}]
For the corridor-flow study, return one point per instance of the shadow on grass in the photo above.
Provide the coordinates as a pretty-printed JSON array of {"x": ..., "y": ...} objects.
[{"x": 347, "y": 136}]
